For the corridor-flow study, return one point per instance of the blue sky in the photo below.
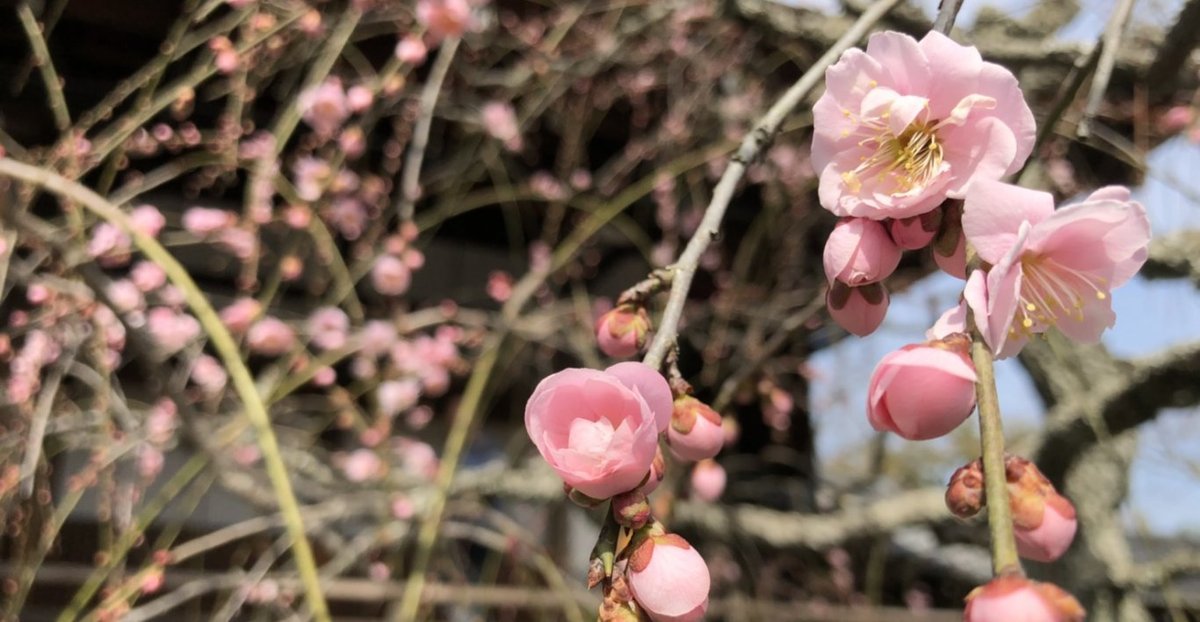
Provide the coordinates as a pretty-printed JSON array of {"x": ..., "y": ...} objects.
[{"x": 1151, "y": 315}]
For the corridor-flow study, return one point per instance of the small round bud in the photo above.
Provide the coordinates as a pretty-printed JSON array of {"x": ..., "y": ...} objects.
[
  {"x": 669, "y": 579},
  {"x": 1011, "y": 598},
  {"x": 621, "y": 332},
  {"x": 695, "y": 432}
]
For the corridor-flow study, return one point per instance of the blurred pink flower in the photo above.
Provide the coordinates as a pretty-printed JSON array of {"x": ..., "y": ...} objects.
[
  {"x": 397, "y": 396},
  {"x": 906, "y": 124},
  {"x": 147, "y": 219},
  {"x": 328, "y": 328},
  {"x": 125, "y": 296},
  {"x": 500, "y": 121},
  {"x": 209, "y": 375},
  {"x": 325, "y": 107},
  {"x": 270, "y": 336},
  {"x": 444, "y": 18},
  {"x": 411, "y": 50},
  {"x": 359, "y": 98},
  {"x": 147, "y": 276},
  {"x": 1050, "y": 268},
  {"x": 171, "y": 330},
  {"x": 708, "y": 480},
  {"x": 390, "y": 276},
  {"x": 597, "y": 431},
  {"x": 238, "y": 316},
  {"x": 669, "y": 579},
  {"x": 362, "y": 465},
  {"x": 205, "y": 221},
  {"x": 310, "y": 176},
  {"x": 922, "y": 391}
]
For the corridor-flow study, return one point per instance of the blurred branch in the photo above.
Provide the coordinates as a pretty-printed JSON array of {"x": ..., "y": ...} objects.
[
  {"x": 1176, "y": 255},
  {"x": 41, "y": 59},
  {"x": 1117, "y": 23},
  {"x": 410, "y": 182},
  {"x": 1176, "y": 46}
]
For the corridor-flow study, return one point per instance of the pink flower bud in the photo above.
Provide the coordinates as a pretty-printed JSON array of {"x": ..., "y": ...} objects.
[
  {"x": 324, "y": 107},
  {"x": 239, "y": 315},
  {"x": 147, "y": 276},
  {"x": 915, "y": 232},
  {"x": 595, "y": 429},
  {"x": 362, "y": 465},
  {"x": 621, "y": 332},
  {"x": 964, "y": 494},
  {"x": 923, "y": 391},
  {"x": 147, "y": 219},
  {"x": 695, "y": 432},
  {"x": 204, "y": 221},
  {"x": 631, "y": 509},
  {"x": 859, "y": 310},
  {"x": 1043, "y": 520},
  {"x": 270, "y": 337},
  {"x": 359, "y": 98},
  {"x": 444, "y": 18},
  {"x": 328, "y": 328},
  {"x": 859, "y": 251},
  {"x": 209, "y": 375},
  {"x": 397, "y": 396},
  {"x": 708, "y": 480},
  {"x": 1011, "y": 598},
  {"x": 669, "y": 579},
  {"x": 171, "y": 330}
]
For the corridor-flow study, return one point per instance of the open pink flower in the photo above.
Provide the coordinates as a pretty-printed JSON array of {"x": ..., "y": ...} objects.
[
  {"x": 1050, "y": 268},
  {"x": 598, "y": 430},
  {"x": 922, "y": 391},
  {"x": 906, "y": 124}
]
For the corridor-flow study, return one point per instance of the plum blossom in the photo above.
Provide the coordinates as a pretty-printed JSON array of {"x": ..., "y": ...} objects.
[
  {"x": 859, "y": 310},
  {"x": 708, "y": 480},
  {"x": 1050, "y": 268},
  {"x": 695, "y": 432},
  {"x": 328, "y": 328},
  {"x": 270, "y": 336},
  {"x": 598, "y": 431},
  {"x": 1009, "y": 598},
  {"x": 171, "y": 330},
  {"x": 325, "y": 107},
  {"x": 622, "y": 331},
  {"x": 204, "y": 221},
  {"x": 390, "y": 276},
  {"x": 411, "y": 50},
  {"x": 444, "y": 18},
  {"x": 500, "y": 121},
  {"x": 859, "y": 251},
  {"x": 907, "y": 124}
]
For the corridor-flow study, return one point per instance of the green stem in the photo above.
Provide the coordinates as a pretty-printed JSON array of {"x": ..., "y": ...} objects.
[
  {"x": 41, "y": 55},
  {"x": 991, "y": 441},
  {"x": 221, "y": 341}
]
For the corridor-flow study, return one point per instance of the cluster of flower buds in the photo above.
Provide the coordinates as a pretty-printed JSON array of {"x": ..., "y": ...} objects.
[{"x": 1043, "y": 520}]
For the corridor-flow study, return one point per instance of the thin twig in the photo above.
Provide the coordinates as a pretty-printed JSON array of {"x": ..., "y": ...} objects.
[
  {"x": 410, "y": 182},
  {"x": 37, "y": 430},
  {"x": 1108, "y": 57},
  {"x": 221, "y": 341},
  {"x": 947, "y": 13},
  {"x": 752, "y": 145},
  {"x": 1084, "y": 65},
  {"x": 41, "y": 58}
]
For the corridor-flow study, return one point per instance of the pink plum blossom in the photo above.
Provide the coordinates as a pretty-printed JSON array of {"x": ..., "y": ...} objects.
[
  {"x": 324, "y": 107},
  {"x": 147, "y": 219},
  {"x": 328, "y": 328},
  {"x": 205, "y": 221},
  {"x": 1050, "y": 268},
  {"x": 915, "y": 232},
  {"x": 240, "y": 314},
  {"x": 922, "y": 391},
  {"x": 907, "y": 123},
  {"x": 362, "y": 465},
  {"x": 124, "y": 296},
  {"x": 376, "y": 338},
  {"x": 147, "y": 276},
  {"x": 359, "y": 98},
  {"x": 669, "y": 579},
  {"x": 708, "y": 480},
  {"x": 597, "y": 430},
  {"x": 444, "y": 18},
  {"x": 859, "y": 310},
  {"x": 390, "y": 276},
  {"x": 209, "y": 375},
  {"x": 171, "y": 330},
  {"x": 397, "y": 396},
  {"x": 500, "y": 121},
  {"x": 657, "y": 394},
  {"x": 695, "y": 432},
  {"x": 411, "y": 50},
  {"x": 1052, "y": 536},
  {"x": 310, "y": 176},
  {"x": 859, "y": 251},
  {"x": 270, "y": 336},
  {"x": 1011, "y": 598},
  {"x": 622, "y": 331}
]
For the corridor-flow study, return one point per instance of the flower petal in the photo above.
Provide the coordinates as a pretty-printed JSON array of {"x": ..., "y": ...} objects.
[
  {"x": 994, "y": 211},
  {"x": 903, "y": 60},
  {"x": 1106, "y": 239}
]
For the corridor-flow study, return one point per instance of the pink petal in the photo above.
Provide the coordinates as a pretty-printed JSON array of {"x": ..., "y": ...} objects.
[
  {"x": 1105, "y": 238},
  {"x": 903, "y": 59},
  {"x": 846, "y": 83},
  {"x": 979, "y": 150},
  {"x": 993, "y": 213},
  {"x": 958, "y": 68},
  {"x": 650, "y": 384}
]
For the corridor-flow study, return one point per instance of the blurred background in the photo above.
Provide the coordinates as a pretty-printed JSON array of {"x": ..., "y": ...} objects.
[{"x": 405, "y": 231}]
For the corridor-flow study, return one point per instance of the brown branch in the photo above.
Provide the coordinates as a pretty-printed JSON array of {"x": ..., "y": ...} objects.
[
  {"x": 1180, "y": 40},
  {"x": 1174, "y": 256}
]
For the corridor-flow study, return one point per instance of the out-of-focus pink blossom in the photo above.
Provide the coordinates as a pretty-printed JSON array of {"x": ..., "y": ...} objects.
[
  {"x": 125, "y": 296},
  {"x": 499, "y": 285},
  {"x": 238, "y": 316},
  {"x": 597, "y": 431},
  {"x": 444, "y": 18},
  {"x": 147, "y": 276},
  {"x": 1176, "y": 119},
  {"x": 708, "y": 480},
  {"x": 270, "y": 336},
  {"x": 922, "y": 391},
  {"x": 311, "y": 176},
  {"x": 390, "y": 276},
  {"x": 859, "y": 251},
  {"x": 325, "y": 107},
  {"x": 205, "y": 221},
  {"x": 109, "y": 245},
  {"x": 500, "y": 121},
  {"x": 376, "y": 338},
  {"x": 417, "y": 457},
  {"x": 324, "y": 377},
  {"x": 209, "y": 375},
  {"x": 411, "y": 50},
  {"x": 1050, "y": 268},
  {"x": 150, "y": 461},
  {"x": 359, "y": 98},
  {"x": 349, "y": 216},
  {"x": 147, "y": 219},
  {"x": 362, "y": 465},
  {"x": 242, "y": 243},
  {"x": 328, "y": 328},
  {"x": 859, "y": 310},
  {"x": 353, "y": 142},
  {"x": 1010, "y": 598},
  {"x": 695, "y": 432},
  {"x": 907, "y": 124},
  {"x": 669, "y": 579},
  {"x": 171, "y": 329},
  {"x": 397, "y": 396}
]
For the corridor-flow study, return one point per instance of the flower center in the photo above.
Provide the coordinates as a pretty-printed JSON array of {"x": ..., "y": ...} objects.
[
  {"x": 1051, "y": 291},
  {"x": 906, "y": 161}
]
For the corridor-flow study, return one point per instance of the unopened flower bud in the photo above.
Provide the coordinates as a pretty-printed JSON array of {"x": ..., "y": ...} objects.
[
  {"x": 695, "y": 432},
  {"x": 1043, "y": 520},
  {"x": 923, "y": 391},
  {"x": 964, "y": 495},
  {"x": 631, "y": 509},
  {"x": 859, "y": 251},
  {"x": 669, "y": 579},
  {"x": 708, "y": 480},
  {"x": 915, "y": 232},
  {"x": 622, "y": 331},
  {"x": 859, "y": 310},
  {"x": 1011, "y": 598}
]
